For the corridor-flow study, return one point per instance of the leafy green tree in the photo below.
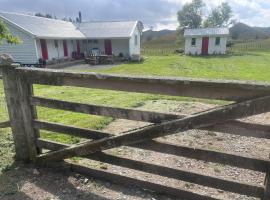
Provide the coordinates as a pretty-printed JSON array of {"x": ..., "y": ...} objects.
[
  {"x": 5, "y": 34},
  {"x": 221, "y": 16},
  {"x": 45, "y": 16},
  {"x": 190, "y": 16}
]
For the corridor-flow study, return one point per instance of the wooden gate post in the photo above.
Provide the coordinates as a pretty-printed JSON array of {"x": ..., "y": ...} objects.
[{"x": 21, "y": 113}]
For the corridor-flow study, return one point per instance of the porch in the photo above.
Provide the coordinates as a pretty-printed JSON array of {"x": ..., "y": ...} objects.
[{"x": 57, "y": 51}]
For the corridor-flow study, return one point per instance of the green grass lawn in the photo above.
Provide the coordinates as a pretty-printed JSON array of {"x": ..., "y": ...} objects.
[{"x": 249, "y": 66}]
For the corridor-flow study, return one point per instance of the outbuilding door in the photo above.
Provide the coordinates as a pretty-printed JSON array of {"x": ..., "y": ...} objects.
[
  {"x": 108, "y": 47},
  {"x": 205, "y": 45},
  {"x": 44, "y": 50}
]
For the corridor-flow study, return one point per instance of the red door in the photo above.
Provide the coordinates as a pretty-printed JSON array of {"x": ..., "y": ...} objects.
[
  {"x": 44, "y": 50},
  {"x": 205, "y": 45},
  {"x": 78, "y": 48},
  {"x": 108, "y": 47},
  {"x": 65, "y": 48}
]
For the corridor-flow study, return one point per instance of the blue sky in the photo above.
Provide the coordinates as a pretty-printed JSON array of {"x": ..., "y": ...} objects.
[{"x": 160, "y": 14}]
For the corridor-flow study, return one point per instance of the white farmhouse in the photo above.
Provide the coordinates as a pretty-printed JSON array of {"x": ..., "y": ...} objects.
[
  {"x": 50, "y": 39},
  {"x": 206, "y": 41}
]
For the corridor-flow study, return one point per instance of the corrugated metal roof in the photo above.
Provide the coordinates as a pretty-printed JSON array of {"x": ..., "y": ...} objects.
[
  {"x": 107, "y": 29},
  {"x": 206, "y": 32}
]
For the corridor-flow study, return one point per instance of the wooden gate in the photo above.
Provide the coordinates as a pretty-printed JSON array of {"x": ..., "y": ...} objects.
[{"x": 249, "y": 99}]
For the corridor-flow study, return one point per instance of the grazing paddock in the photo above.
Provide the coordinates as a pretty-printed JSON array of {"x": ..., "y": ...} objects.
[{"x": 238, "y": 67}]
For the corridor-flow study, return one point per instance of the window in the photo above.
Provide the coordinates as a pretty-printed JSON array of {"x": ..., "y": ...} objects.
[
  {"x": 193, "y": 42},
  {"x": 217, "y": 41},
  {"x": 136, "y": 40}
]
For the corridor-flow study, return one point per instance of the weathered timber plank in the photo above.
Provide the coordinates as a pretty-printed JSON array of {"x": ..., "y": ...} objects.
[
  {"x": 224, "y": 90},
  {"x": 235, "y": 127},
  {"x": 122, "y": 113},
  {"x": 188, "y": 152},
  {"x": 21, "y": 114},
  {"x": 266, "y": 195},
  {"x": 128, "y": 181},
  {"x": 5, "y": 124},
  {"x": 184, "y": 175},
  {"x": 204, "y": 119},
  {"x": 245, "y": 162}
]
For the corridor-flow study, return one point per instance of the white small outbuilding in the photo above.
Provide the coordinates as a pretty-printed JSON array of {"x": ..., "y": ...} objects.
[{"x": 206, "y": 41}]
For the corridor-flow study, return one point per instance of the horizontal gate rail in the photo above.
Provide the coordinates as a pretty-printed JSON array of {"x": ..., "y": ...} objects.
[
  {"x": 250, "y": 130},
  {"x": 122, "y": 113},
  {"x": 244, "y": 162},
  {"x": 184, "y": 175},
  {"x": 222, "y": 90}
]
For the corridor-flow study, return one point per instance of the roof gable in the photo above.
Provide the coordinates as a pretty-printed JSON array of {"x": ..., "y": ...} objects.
[{"x": 206, "y": 32}]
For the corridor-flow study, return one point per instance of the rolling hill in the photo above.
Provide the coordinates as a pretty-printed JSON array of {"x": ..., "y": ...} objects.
[{"x": 242, "y": 31}]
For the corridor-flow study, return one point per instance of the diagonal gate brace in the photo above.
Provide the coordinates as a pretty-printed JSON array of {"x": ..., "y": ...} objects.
[{"x": 201, "y": 120}]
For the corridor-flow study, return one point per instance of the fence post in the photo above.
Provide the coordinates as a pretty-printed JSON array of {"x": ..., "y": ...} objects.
[{"x": 21, "y": 113}]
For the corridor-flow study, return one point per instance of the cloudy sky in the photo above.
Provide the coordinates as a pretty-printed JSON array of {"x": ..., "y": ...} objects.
[{"x": 160, "y": 14}]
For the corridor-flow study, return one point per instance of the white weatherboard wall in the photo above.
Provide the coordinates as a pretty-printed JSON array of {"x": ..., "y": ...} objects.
[
  {"x": 196, "y": 49},
  {"x": 217, "y": 49},
  {"x": 212, "y": 47},
  {"x": 133, "y": 48},
  {"x": 25, "y": 52},
  {"x": 53, "y": 52}
]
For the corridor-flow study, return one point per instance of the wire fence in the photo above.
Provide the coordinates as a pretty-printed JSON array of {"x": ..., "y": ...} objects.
[
  {"x": 251, "y": 46},
  {"x": 158, "y": 52}
]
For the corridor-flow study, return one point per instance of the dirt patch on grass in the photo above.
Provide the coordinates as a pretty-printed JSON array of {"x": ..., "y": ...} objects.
[{"x": 29, "y": 183}]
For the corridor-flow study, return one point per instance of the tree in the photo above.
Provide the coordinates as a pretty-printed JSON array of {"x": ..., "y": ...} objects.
[
  {"x": 220, "y": 16},
  {"x": 191, "y": 15},
  {"x": 46, "y": 15},
  {"x": 5, "y": 35}
]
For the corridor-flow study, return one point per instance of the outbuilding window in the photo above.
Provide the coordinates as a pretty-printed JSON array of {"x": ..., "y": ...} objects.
[
  {"x": 217, "y": 41},
  {"x": 136, "y": 40},
  {"x": 193, "y": 42}
]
